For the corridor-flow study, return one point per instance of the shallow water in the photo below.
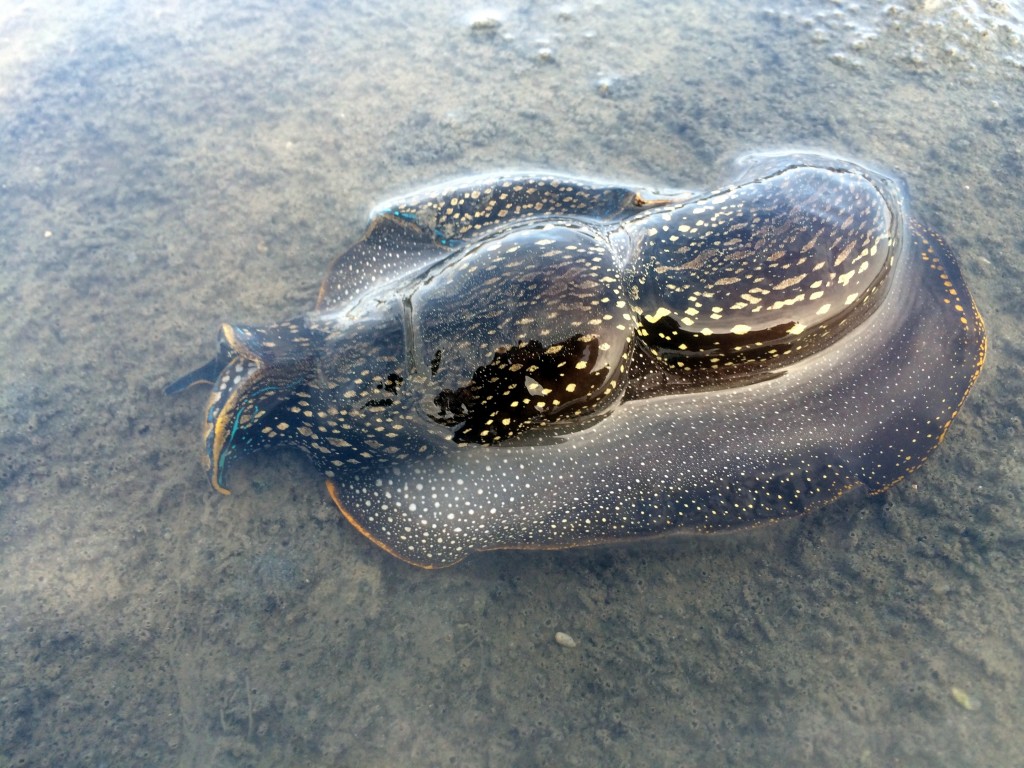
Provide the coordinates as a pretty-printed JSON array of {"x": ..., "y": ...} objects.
[{"x": 165, "y": 167}]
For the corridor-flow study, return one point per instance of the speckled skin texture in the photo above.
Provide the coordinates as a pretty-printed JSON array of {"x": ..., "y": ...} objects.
[{"x": 542, "y": 362}]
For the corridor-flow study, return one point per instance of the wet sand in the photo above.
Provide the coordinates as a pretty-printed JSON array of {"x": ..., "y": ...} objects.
[{"x": 168, "y": 168}]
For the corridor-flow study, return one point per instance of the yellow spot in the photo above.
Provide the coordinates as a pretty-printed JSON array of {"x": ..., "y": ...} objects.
[
  {"x": 660, "y": 313},
  {"x": 789, "y": 282},
  {"x": 533, "y": 386},
  {"x": 740, "y": 329},
  {"x": 797, "y": 329}
]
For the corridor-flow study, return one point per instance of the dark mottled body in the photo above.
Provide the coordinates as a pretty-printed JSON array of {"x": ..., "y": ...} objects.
[{"x": 541, "y": 362}]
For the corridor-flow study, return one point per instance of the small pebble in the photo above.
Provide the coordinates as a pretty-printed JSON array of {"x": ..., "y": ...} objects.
[
  {"x": 565, "y": 640},
  {"x": 484, "y": 21},
  {"x": 964, "y": 699}
]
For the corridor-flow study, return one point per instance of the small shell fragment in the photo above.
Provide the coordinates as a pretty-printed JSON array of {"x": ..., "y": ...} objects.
[
  {"x": 964, "y": 699},
  {"x": 565, "y": 640}
]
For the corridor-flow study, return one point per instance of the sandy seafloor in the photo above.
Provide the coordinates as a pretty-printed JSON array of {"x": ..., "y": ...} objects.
[{"x": 167, "y": 166}]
